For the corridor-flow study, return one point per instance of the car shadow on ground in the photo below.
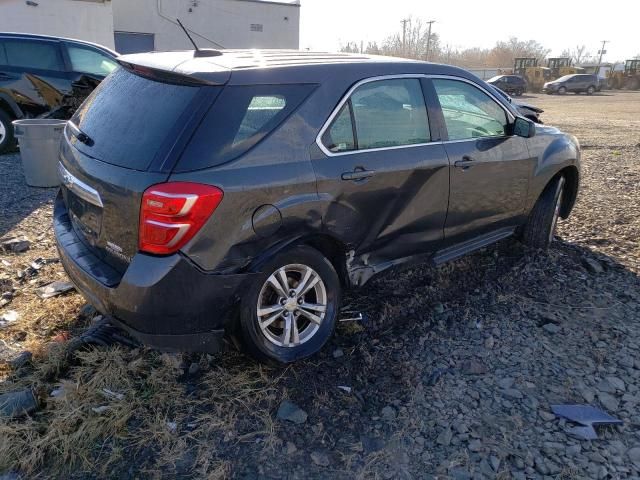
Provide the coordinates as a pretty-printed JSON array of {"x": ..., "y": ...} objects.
[{"x": 18, "y": 200}]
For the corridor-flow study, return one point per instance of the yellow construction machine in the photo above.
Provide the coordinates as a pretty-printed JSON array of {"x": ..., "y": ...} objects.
[
  {"x": 561, "y": 66},
  {"x": 536, "y": 76},
  {"x": 629, "y": 78}
]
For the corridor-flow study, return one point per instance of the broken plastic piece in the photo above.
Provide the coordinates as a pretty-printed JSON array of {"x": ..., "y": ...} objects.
[
  {"x": 587, "y": 416},
  {"x": 54, "y": 289},
  {"x": 8, "y": 317}
]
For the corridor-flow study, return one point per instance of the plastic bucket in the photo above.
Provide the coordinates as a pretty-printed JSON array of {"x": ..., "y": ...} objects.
[{"x": 39, "y": 139}]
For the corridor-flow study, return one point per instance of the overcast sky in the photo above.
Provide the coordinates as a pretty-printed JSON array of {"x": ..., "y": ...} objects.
[{"x": 328, "y": 24}]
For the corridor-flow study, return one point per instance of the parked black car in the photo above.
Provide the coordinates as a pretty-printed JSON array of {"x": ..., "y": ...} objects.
[
  {"x": 525, "y": 109},
  {"x": 510, "y": 84},
  {"x": 576, "y": 83},
  {"x": 46, "y": 75},
  {"x": 266, "y": 182}
]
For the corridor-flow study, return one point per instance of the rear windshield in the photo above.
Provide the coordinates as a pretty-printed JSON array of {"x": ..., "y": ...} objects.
[
  {"x": 129, "y": 117},
  {"x": 239, "y": 119}
]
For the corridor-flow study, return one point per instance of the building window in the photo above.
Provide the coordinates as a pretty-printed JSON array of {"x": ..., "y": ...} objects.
[{"x": 256, "y": 27}]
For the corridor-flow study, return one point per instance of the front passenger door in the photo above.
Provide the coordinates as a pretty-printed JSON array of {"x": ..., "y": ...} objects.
[{"x": 490, "y": 167}]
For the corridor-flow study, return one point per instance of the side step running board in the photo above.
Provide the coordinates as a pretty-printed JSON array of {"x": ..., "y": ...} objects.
[{"x": 461, "y": 249}]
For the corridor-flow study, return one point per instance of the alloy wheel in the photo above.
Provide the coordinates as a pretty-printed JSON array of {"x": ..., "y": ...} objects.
[
  {"x": 3, "y": 132},
  {"x": 291, "y": 305}
]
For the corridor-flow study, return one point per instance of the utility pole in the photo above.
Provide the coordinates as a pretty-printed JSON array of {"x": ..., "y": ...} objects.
[
  {"x": 602, "y": 52},
  {"x": 430, "y": 22},
  {"x": 404, "y": 35}
]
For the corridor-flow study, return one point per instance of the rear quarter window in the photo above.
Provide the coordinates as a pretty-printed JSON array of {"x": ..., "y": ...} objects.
[{"x": 240, "y": 118}]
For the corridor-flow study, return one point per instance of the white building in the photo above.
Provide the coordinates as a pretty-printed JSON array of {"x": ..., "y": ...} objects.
[{"x": 143, "y": 25}]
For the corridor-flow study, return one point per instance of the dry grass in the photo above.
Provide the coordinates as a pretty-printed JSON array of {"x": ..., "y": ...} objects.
[{"x": 161, "y": 423}]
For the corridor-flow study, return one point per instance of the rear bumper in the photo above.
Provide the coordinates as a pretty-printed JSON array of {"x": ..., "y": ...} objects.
[{"x": 165, "y": 302}]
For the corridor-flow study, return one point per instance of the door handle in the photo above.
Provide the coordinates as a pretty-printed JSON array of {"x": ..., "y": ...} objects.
[
  {"x": 465, "y": 163},
  {"x": 358, "y": 174}
]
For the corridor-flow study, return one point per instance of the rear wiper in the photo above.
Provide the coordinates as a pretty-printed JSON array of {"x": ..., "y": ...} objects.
[{"x": 79, "y": 134}]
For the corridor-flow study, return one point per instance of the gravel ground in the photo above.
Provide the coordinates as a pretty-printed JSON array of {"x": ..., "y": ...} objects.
[{"x": 451, "y": 375}]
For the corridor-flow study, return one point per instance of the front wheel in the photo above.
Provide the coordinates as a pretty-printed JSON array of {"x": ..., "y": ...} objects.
[
  {"x": 590, "y": 90},
  {"x": 289, "y": 312},
  {"x": 562, "y": 90},
  {"x": 541, "y": 225}
]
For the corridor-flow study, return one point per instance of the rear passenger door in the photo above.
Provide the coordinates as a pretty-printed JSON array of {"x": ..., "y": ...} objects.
[
  {"x": 34, "y": 73},
  {"x": 490, "y": 167},
  {"x": 383, "y": 171}
]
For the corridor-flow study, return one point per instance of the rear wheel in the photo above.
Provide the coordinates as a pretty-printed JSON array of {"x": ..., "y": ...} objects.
[
  {"x": 290, "y": 310},
  {"x": 541, "y": 225},
  {"x": 6, "y": 132},
  {"x": 590, "y": 90}
]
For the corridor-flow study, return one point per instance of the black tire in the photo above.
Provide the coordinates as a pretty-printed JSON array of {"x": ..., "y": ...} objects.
[
  {"x": 7, "y": 141},
  {"x": 590, "y": 90},
  {"x": 541, "y": 225},
  {"x": 562, "y": 90},
  {"x": 255, "y": 342}
]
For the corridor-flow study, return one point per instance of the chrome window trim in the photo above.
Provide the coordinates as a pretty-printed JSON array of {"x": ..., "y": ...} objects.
[
  {"x": 78, "y": 187},
  {"x": 417, "y": 76}
]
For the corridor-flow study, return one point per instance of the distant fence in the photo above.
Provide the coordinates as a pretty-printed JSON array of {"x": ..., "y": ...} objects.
[{"x": 487, "y": 73}]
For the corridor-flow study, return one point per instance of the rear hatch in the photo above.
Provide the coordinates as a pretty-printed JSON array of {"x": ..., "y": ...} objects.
[{"x": 123, "y": 139}]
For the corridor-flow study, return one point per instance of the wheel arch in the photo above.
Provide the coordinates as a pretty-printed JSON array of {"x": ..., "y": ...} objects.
[
  {"x": 332, "y": 248},
  {"x": 571, "y": 186},
  {"x": 10, "y": 107}
]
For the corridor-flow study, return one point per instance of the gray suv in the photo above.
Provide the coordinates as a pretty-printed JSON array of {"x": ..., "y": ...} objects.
[
  {"x": 576, "y": 83},
  {"x": 267, "y": 182}
]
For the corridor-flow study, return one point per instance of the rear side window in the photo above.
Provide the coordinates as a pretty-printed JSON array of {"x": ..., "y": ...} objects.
[
  {"x": 240, "y": 118},
  {"x": 86, "y": 60},
  {"x": 129, "y": 118},
  {"x": 380, "y": 114},
  {"x": 33, "y": 54}
]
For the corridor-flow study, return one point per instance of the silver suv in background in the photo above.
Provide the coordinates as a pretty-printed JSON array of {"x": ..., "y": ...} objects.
[{"x": 576, "y": 83}]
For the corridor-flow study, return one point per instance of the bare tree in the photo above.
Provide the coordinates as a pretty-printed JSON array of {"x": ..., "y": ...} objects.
[{"x": 577, "y": 55}]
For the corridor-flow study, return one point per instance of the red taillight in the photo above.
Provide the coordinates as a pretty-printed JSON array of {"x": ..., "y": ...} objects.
[{"x": 172, "y": 213}]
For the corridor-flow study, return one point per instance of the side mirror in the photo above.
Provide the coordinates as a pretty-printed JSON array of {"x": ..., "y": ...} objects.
[{"x": 524, "y": 127}]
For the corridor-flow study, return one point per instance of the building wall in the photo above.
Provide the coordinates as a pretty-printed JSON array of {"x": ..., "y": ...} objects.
[
  {"x": 212, "y": 23},
  {"x": 89, "y": 20}
]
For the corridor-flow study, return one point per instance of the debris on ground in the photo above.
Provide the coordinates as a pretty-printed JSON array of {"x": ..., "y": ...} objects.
[
  {"x": 289, "y": 411},
  {"x": 15, "y": 245},
  {"x": 15, "y": 404},
  {"x": 8, "y": 318},
  {"x": 587, "y": 416},
  {"x": 54, "y": 288}
]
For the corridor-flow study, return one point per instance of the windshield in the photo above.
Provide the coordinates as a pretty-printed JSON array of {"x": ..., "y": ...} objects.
[
  {"x": 494, "y": 79},
  {"x": 564, "y": 79}
]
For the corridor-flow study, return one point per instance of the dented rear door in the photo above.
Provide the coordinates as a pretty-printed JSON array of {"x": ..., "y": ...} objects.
[{"x": 385, "y": 174}]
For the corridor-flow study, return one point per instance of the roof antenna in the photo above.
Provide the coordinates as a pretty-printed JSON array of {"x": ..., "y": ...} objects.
[
  {"x": 207, "y": 52},
  {"x": 187, "y": 34}
]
